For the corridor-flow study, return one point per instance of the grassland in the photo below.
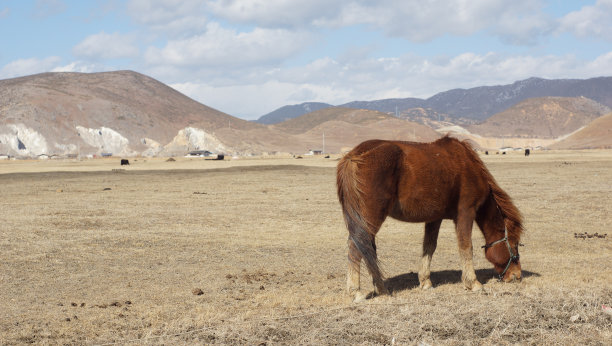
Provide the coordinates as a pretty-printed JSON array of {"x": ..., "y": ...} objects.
[{"x": 254, "y": 251}]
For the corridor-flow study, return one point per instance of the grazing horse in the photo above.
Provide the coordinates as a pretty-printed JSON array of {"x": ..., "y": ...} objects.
[{"x": 425, "y": 182}]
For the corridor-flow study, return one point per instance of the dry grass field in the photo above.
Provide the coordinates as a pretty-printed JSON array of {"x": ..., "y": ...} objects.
[{"x": 254, "y": 252}]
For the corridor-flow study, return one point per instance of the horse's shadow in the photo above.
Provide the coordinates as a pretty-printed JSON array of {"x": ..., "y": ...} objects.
[{"x": 411, "y": 280}]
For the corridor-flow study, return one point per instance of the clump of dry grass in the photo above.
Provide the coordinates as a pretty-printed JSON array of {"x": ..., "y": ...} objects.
[{"x": 266, "y": 245}]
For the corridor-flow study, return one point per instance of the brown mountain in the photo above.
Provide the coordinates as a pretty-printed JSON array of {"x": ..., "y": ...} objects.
[
  {"x": 545, "y": 117},
  {"x": 120, "y": 112},
  {"x": 311, "y": 120},
  {"x": 126, "y": 113},
  {"x": 339, "y": 127},
  {"x": 479, "y": 103},
  {"x": 597, "y": 134}
]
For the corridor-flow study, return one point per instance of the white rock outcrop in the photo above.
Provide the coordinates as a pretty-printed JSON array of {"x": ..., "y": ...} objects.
[
  {"x": 154, "y": 147},
  {"x": 21, "y": 140},
  {"x": 105, "y": 139},
  {"x": 191, "y": 138}
]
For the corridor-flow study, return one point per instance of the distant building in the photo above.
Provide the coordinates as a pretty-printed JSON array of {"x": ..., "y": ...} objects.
[
  {"x": 315, "y": 152},
  {"x": 199, "y": 153}
]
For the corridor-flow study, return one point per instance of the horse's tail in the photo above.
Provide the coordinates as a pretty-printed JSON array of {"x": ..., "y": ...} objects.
[{"x": 350, "y": 193}]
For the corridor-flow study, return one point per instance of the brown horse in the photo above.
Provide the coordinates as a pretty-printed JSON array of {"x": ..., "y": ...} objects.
[{"x": 425, "y": 182}]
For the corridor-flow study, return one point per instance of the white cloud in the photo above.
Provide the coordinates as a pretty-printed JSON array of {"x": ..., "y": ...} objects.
[
  {"x": 331, "y": 81},
  {"x": 23, "y": 67},
  {"x": 275, "y": 13},
  {"x": 523, "y": 24},
  {"x": 171, "y": 18},
  {"x": 106, "y": 46},
  {"x": 518, "y": 22},
  {"x": 228, "y": 48},
  {"x": 590, "y": 21},
  {"x": 598, "y": 67},
  {"x": 256, "y": 99},
  {"x": 78, "y": 66},
  {"x": 47, "y": 8}
]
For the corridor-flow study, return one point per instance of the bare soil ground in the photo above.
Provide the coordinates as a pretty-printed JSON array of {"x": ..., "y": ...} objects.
[{"x": 254, "y": 252}]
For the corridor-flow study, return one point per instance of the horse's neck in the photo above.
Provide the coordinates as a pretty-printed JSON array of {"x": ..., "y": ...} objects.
[{"x": 491, "y": 221}]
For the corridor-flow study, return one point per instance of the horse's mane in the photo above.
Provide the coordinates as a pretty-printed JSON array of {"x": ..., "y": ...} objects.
[{"x": 509, "y": 211}]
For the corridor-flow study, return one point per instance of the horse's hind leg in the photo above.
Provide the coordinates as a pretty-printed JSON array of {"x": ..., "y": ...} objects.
[
  {"x": 354, "y": 264},
  {"x": 430, "y": 241},
  {"x": 353, "y": 275},
  {"x": 463, "y": 228},
  {"x": 377, "y": 279}
]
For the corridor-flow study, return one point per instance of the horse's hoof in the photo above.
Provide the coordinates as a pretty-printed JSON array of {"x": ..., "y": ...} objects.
[
  {"x": 477, "y": 286},
  {"x": 425, "y": 285},
  {"x": 473, "y": 286},
  {"x": 359, "y": 297}
]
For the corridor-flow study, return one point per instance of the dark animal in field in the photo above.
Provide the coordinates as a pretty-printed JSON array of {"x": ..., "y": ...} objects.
[
  {"x": 125, "y": 162},
  {"x": 486, "y": 153},
  {"x": 425, "y": 182},
  {"x": 220, "y": 157},
  {"x": 527, "y": 152}
]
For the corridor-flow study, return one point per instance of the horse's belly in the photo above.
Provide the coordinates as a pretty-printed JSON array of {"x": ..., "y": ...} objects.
[{"x": 412, "y": 211}]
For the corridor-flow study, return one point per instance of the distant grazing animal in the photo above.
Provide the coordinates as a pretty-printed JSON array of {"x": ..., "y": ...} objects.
[
  {"x": 425, "y": 182},
  {"x": 486, "y": 152},
  {"x": 527, "y": 152},
  {"x": 125, "y": 162}
]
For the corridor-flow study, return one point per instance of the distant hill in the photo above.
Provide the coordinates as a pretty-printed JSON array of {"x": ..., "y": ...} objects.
[
  {"x": 433, "y": 119},
  {"x": 480, "y": 103},
  {"x": 340, "y": 135},
  {"x": 597, "y": 134},
  {"x": 120, "y": 112},
  {"x": 386, "y": 105},
  {"x": 544, "y": 117},
  {"x": 290, "y": 112},
  {"x": 340, "y": 127},
  {"x": 125, "y": 113},
  {"x": 308, "y": 121}
]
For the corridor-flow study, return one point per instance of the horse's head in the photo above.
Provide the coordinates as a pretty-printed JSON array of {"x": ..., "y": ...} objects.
[{"x": 504, "y": 255}]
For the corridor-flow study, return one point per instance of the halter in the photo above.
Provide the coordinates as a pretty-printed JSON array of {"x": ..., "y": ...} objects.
[{"x": 513, "y": 258}]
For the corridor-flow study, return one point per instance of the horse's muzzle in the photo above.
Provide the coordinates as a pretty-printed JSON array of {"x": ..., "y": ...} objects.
[{"x": 512, "y": 277}]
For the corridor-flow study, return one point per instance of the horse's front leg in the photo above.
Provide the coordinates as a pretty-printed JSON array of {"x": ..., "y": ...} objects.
[
  {"x": 463, "y": 228},
  {"x": 430, "y": 242}
]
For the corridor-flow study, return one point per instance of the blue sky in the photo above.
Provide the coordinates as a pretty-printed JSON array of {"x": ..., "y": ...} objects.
[{"x": 249, "y": 57}]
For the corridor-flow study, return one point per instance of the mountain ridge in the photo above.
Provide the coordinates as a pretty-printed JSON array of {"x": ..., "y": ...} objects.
[
  {"x": 125, "y": 113},
  {"x": 481, "y": 102}
]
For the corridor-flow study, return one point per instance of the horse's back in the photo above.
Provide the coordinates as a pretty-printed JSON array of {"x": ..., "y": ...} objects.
[{"x": 421, "y": 181}]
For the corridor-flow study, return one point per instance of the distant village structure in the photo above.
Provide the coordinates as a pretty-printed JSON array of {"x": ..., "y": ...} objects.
[{"x": 199, "y": 153}]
